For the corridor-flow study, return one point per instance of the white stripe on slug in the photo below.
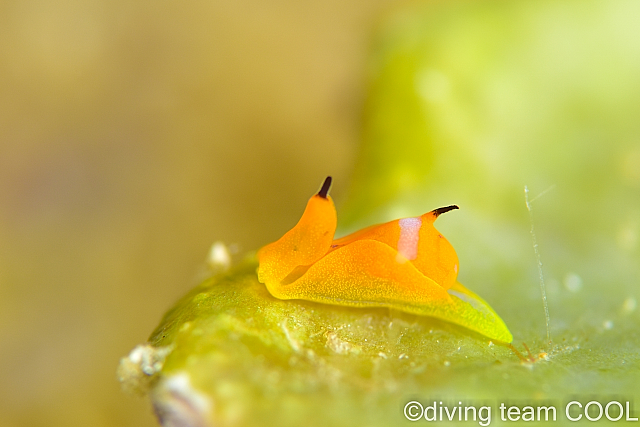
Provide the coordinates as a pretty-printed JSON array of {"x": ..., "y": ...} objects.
[{"x": 409, "y": 237}]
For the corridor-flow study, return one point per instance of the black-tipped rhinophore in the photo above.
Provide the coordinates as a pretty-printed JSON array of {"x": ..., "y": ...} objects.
[
  {"x": 440, "y": 211},
  {"x": 324, "y": 191}
]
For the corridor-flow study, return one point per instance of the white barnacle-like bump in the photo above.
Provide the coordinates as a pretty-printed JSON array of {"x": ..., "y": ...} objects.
[
  {"x": 143, "y": 362},
  {"x": 177, "y": 403}
]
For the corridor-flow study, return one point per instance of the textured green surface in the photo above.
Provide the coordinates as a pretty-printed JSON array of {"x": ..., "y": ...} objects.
[
  {"x": 468, "y": 103},
  {"x": 259, "y": 358}
]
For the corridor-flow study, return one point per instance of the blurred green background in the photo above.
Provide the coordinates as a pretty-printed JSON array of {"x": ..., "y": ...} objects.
[{"x": 132, "y": 136}]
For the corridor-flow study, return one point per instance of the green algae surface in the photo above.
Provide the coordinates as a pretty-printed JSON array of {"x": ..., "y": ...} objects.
[{"x": 264, "y": 361}]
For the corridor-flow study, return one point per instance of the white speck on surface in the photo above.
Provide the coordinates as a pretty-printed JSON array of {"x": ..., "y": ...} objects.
[
  {"x": 607, "y": 324},
  {"x": 403, "y": 356},
  {"x": 135, "y": 370},
  {"x": 219, "y": 256},
  {"x": 573, "y": 282},
  {"x": 149, "y": 358},
  {"x": 381, "y": 354},
  {"x": 136, "y": 354},
  {"x": 447, "y": 363},
  {"x": 337, "y": 345}
]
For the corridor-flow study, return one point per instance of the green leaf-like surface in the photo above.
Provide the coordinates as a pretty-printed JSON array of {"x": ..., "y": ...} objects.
[{"x": 258, "y": 358}]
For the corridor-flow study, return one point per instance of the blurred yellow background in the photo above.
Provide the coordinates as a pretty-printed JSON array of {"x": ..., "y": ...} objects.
[{"x": 132, "y": 136}]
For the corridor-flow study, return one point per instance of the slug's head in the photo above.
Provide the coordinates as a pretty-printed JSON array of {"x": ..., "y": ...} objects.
[{"x": 305, "y": 243}]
